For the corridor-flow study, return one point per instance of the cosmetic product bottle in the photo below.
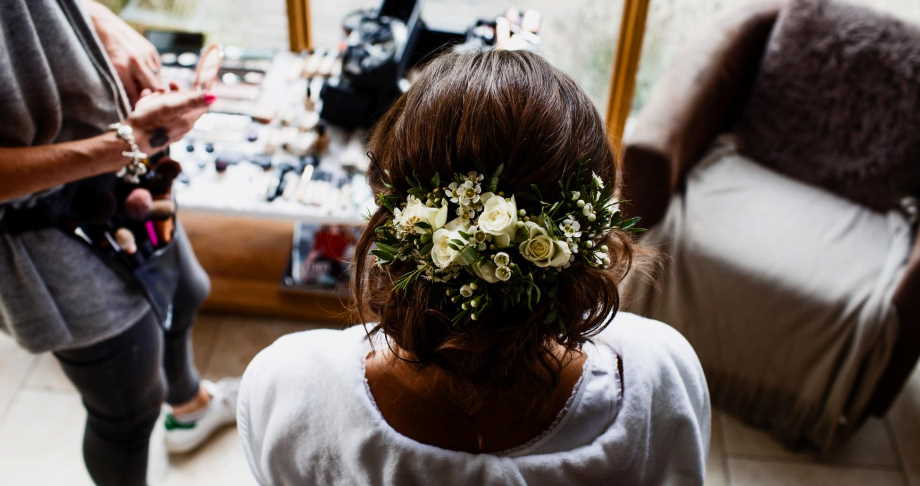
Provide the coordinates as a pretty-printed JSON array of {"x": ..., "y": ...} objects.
[
  {"x": 303, "y": 185},
  {"x": 307, "y": 121},
  {"x": 284, "y": 169},
  {"x": 354, "y": 155},
  {"x": 291, "y": 182},
  {"x": 322, "y": 139},
  {"x": 309, "y": 103},
  {"x": 298, "y": 143},
  {"x": 311, "y": 67},
  {"x": 327, "y": 63}
]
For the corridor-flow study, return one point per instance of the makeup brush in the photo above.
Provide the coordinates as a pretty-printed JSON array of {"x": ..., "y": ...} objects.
[
  {"x": 125, "y": 239},
  {"x": 138, "y": 204},
  {"x": 162, "y": 209},
  {"x": 160, "y": 184}
]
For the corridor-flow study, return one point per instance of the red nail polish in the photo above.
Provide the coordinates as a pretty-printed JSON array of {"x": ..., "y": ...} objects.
[{"x": 210, "y": 98}]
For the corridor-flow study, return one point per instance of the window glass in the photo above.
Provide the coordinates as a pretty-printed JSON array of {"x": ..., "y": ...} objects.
[
  {"x": 579, "y": 36},
  {"x": 671, "y": 23},
  {"x": 245, "y": 23}
]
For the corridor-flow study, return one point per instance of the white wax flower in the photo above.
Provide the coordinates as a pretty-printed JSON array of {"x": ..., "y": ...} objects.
[
  {"x": 597, "y": 180},
  {"x": 466, "y": 291},
  {"x": 468, "y": 192},
  {"x": 501, "y": 259},
  {"x": 542, "y": 250},
  {"x": 417, "y": 212},
  {"x": 498, "y": 218},
  {"x": 503, "y": 273},
  {"x": 570, "y": 227},
  {"x": 485, "y": 271},
  {"x": 441, "y": 252}
]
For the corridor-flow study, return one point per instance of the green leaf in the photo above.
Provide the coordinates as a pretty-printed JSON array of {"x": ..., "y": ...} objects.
[
  {"x": 493, "y": 181},
  {"x": 436, "y": 180},
  {"x": 418, "y": 193},
  {"x": 630, "y": 223},
  {"x": 536, "y": 190},
  {"x": 389, "y": 201},
  {"x": 549, "y": 226},
  {"x": 386, "y": 247},
  {"x": 469, "y": 255},
  {"x": 403, "y": 282},
  {"x": 382, "y": 256},
  {"x": 423, "y": 225}
]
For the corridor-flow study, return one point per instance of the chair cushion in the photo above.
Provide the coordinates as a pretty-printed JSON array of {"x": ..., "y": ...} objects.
[
  {"x": 837, "y": 102},
  {"x": 783, "y": 289}
]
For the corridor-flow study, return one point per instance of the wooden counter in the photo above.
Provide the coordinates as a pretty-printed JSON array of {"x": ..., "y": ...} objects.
[{"x": 246, "y": 259}]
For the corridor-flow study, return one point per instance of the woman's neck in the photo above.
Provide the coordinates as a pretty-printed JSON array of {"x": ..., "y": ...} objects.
[{"x": 429, "y": 406}]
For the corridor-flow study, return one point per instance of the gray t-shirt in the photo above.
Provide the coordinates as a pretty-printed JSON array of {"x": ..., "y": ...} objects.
[{"x": 56, "y": 85}]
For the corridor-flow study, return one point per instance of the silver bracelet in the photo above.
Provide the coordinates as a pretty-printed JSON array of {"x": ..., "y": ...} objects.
[{"x": 137, "y": 166}]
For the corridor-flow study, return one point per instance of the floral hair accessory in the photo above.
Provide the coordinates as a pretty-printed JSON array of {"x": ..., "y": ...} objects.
[{"x": 485, "y": 250}]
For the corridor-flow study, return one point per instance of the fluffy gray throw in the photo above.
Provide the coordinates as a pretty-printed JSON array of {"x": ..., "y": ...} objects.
[{"x": 837, "y": 102}]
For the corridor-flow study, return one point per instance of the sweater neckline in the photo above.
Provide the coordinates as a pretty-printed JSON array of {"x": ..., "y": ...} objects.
[{"x": 558, "y": 423}]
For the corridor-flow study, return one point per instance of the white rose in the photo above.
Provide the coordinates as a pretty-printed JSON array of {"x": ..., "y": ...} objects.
[
  {"x": 542, "y": 250},
  {"x": 485, "y": 271},
  {"x": 441, "y": 252},
  {"x": 498, "y": 218},
  {"x": 417, "y": 212}
]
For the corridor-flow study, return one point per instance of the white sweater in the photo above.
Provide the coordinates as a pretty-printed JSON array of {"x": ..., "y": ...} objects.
[{"x": 306, "y": 417}]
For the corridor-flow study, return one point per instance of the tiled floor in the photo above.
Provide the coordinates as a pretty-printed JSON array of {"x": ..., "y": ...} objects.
[{"x": 41, "y": 425}]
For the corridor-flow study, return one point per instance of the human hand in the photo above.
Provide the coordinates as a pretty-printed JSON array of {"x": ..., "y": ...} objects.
[
  {"x": 169, "y": 115},
  {"x": 134, "y": 58}
]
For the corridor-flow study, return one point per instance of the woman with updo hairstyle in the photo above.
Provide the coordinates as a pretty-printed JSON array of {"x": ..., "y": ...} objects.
[{"x": 492, "y": 350}]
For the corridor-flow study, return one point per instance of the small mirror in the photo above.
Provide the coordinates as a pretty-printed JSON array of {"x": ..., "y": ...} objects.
[{"x": 206, "y": 74}]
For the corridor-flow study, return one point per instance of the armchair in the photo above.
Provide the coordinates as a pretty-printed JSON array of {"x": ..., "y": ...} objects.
[{"x": 802, "y": 300}]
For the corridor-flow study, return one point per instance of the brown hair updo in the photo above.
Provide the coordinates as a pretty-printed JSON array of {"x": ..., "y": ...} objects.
[{"x": 475, "y": 111}]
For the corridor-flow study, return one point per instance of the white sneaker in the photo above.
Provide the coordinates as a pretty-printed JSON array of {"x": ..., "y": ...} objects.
[{"x": 221, "y": 411}]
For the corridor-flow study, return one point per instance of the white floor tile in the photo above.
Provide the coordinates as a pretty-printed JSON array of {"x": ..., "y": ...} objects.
[
  {"x": 15, "y": 364},
  {"x": 871, "y": 446},
  {"x": 219, "y": 461},
  {"x": 240, "y": 339},
  {"x": 40, "y": 440},
  {"x": 753, "y": 472},
  {"x": 904, "y": 418},
  {"x": 716, "y": 472},
  {"x": 48, "y": 376},
  {"x": 204, "y": 335}
]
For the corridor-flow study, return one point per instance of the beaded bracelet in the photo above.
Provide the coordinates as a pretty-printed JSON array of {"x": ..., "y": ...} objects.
[{"x": 138, "y": 165}]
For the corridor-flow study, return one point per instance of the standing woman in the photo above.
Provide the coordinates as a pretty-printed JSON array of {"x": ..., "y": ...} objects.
[{"x": 80, "y": 100}]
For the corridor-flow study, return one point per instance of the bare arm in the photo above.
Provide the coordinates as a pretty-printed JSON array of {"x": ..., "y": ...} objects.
[{"x": 25, "y": 170}]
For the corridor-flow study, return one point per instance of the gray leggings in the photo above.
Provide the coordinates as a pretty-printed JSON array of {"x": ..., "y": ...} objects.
[{"x": 124, "y": 380}]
